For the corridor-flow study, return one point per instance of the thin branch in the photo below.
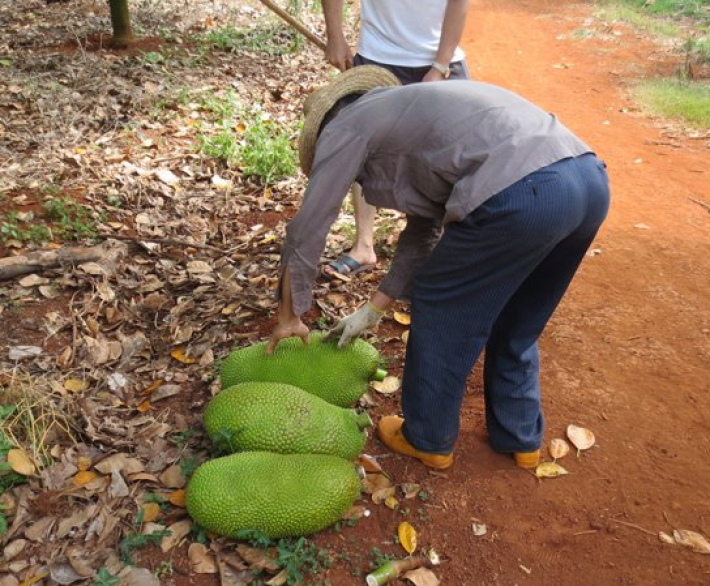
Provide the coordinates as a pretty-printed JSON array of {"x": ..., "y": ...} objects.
[{"x": 634, "y": 526}]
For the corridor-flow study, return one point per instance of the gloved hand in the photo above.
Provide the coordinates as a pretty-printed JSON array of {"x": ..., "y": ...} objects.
[{"x": 356, "y": 323}]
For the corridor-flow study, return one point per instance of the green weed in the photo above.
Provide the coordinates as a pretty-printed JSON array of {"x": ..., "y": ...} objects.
[
  {"x": 71, "y": 220},
  {"x": 8, "y": 477},
  {"x": 188, "y": 465},
  {"x": 625, "y": 11},
  {"x": 105, "y": 578},
  {"x": 379, "y": 558},
  {"x": 137, "y": 540},
  {"x": 686, "y": 101},
  {"x": 270, "y": 39},
  {"x": 267, "y": 152}
]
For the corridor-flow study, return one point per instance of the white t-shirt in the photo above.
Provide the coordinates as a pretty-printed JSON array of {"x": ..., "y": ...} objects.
[{"x": 402, "y": 32}]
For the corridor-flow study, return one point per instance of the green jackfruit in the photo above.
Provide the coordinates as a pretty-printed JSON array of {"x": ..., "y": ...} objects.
[
  {"x": 278, "y": 495},
  {"x": 275, "y": 417},
  {"x": 338, "y": 376}
]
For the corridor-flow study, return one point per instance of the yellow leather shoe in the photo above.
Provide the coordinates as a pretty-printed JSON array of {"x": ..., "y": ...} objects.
[
  {"x": 389, "y": 430},
  {"x": 527, "y": 460}
]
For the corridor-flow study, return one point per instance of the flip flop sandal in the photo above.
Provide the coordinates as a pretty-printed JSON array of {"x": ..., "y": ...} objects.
[{"x": 347, "y": 266}]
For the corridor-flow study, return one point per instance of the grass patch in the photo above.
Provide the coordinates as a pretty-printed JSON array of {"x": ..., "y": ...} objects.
[
  {"x": 270, "y": 39},
  {"x": 626, "y": 11},
  {"x": 33, "y": 417},
  {"x": 686, "y": 101},
  {"x": 248, "y": 138},
  {"x": 60, "y": 217}
]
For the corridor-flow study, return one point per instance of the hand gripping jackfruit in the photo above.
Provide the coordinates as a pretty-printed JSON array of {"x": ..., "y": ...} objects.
[
  {"x": 278, "y": 495},
  {"x": 275, "y": 417},
  {"x": 338, "y": 376}
]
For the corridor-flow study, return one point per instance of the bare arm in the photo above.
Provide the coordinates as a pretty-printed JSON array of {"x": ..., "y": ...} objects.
[
  {"x": 337, "y": 51},
  {"x": 289, "y": 324},
  {"x": 451, "y": 31}
]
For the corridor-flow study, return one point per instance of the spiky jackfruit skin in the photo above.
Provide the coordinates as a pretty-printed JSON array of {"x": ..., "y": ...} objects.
[
  {"x": 278, "y": 495},
  {"x": 275, "y": 417},
  {"x": 338, "y": 376}
]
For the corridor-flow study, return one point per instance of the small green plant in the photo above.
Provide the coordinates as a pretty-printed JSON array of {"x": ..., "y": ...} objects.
[
  {"x": 423, "y": 496},
  {"x": 3, "y": 520},
  {"x": 298, "y": 556},
  {"x": 71, "y": 220},
  {"x": 267, "y": 152},
  {"x": 223, "y": 145},
  {"x": 105, "y": 578},
  {"x": 164, "y": 569},
  {"x": 379, "y": 558},
  {"x": 182, "y": 438},
  {"x": 188, "y": 465},
  {"x": 152, "y": 58},
  {"x": 137, "y": 540},
  {"x": 224, "y": 106},
  {"x": 686, "y": 101},
  {"x": 8, "y": 477}
]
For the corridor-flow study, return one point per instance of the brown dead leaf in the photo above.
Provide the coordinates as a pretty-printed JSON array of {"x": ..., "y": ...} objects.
[
  {"x": 374, "y": 482},
  {"x": 410, "y": 490},
  {"x": 178, "y": 532},
  {"x": 279, "y": 579},
  {"x": 381, "y": 495},
  {"x": 173, "y": 477},
  {"x": 422, "y": 577},
  {"x": 550, "y": 470},
  {"x": 258, "y": 559},
  {"x": 369, "y": 463},
  {"x": 581, "y": 437},
  {"x": 387, "y": 386},
  {"x": 693, "y": 540},
  {"x": 120, "y": 463}
]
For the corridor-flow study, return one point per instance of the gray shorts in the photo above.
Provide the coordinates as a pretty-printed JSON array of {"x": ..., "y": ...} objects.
[{"x": 407, "y": 75}]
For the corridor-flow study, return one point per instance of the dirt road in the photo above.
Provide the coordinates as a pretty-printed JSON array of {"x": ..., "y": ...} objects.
[{"x": 628, "y": 352}]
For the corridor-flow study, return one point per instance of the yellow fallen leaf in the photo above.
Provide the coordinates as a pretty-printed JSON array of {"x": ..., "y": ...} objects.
[
  {"x": 550, "y": 470},
  {"x": 180, "y": 355},
  {"x": 155, "y": 385},
  {"x": 76, "y": 385},
  {"x": 407, "y": 536},
  {"x": 34, "y": 579},
  {"x": 20, "y": 462},
  {"x": 177, "y": 498},
  {"x": 391, "y": 502},
  {"x": 405, "y": 337},
  {"x": 402, "y": 318},
  {"x": 143, "y": 406},
  {"x": 84, "y": 477},
  {"x": 381, "y": 495},
  {"x": 241, "y": 127},
  {"x": 150, "y": 512}
]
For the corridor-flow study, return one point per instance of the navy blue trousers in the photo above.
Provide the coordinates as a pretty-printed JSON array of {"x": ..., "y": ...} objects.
[{"x": 493, "y": 281}]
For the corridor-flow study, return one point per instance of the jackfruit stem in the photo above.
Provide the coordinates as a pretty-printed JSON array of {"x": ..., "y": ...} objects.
[
  {"x": 379, "y": 375},
  {"x": 363, "y": 420}
]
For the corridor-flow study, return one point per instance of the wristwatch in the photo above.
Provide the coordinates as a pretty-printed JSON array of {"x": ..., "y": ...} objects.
[{"x": 443, "y": 69}]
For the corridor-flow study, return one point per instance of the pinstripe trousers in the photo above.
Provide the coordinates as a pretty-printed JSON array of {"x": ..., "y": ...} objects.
[{"x": 493, "y": 281}]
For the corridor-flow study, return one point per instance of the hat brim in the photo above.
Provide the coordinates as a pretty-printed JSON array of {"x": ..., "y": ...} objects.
[{"x": 357, "y": 80}]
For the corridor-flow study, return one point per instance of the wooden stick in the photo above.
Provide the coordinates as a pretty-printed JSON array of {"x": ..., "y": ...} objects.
[
  {"x": 317, "y": 41},
  {"x": 634, "y": 526},
  {"x": 163, "y": 241}
]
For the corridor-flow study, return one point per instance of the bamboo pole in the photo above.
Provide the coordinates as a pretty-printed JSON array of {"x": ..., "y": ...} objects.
[{"x": 299, "y": 26}]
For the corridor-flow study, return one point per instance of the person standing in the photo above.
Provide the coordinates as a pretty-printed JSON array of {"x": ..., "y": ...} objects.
[{"x": 418, "y": 42}]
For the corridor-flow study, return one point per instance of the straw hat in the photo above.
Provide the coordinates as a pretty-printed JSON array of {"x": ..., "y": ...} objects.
[{"x": 358, "y": 80}]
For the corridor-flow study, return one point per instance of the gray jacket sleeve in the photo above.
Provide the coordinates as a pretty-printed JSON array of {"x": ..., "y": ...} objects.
[
  {"x": 338, "y": 160},
  {"x": 415, "y": 243}
]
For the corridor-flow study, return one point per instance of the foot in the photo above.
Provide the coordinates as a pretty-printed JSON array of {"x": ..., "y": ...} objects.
[
  {"x": 527, "y": 460},
  {"x": 347, "y": 266},
  {"x": 389, "y": 430}
]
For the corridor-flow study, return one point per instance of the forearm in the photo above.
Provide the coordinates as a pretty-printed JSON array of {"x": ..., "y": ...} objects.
[
  {"x": 333, "y": 14},
  {"x": 381, "y": 301},
  {"x": 451, "y": 30}
]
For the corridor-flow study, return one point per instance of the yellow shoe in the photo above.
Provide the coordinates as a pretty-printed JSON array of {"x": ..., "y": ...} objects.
[
  {"x": 389, "y": 430},
  {"x": 527, "y": 460}
]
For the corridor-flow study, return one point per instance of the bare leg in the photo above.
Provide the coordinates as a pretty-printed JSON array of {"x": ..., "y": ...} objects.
[{"x": 363, "y": 250}]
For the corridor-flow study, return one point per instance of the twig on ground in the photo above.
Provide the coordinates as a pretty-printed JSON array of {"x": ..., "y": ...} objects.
[
  {"x": 163, "y": 241},
  {"x": 700, "y": 203},
  {"x": 634, "y": 526}
]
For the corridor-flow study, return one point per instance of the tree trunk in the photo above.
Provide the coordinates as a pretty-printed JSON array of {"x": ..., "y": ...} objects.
[{"x": 121, "y": 23}]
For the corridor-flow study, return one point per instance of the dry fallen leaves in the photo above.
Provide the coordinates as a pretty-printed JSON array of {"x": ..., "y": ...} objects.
[
  {"x": 581, "y": 437},
  {"x": 389, "y": 385},
  {"x": 402, "y": 318},
  {"x": 20, "y": 462},
  {"x": 558, "y": 448}
]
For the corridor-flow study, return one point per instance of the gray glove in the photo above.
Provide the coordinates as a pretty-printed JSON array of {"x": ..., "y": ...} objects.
[{"x": 356, "y": 323}]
